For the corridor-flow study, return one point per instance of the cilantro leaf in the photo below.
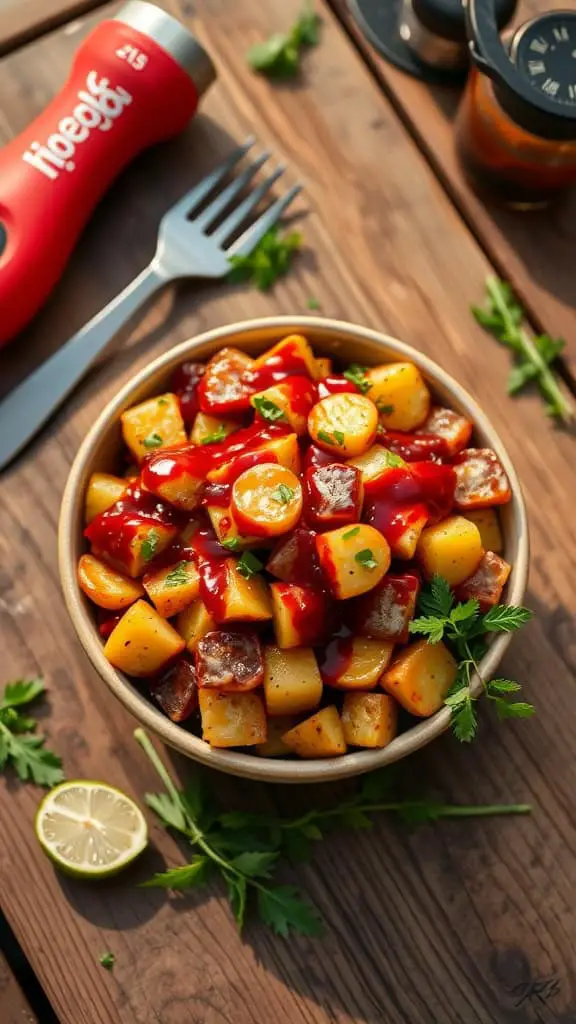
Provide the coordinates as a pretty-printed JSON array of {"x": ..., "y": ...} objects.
[
  {"x": 268, "y": 261},
  {"x": 220, "y": 434},
  {"x": 24, "y": 691},
  {"x": 32, "y": 761},
  {"x": 429, "y": 626},
  {"x": 149, "y": 545},
  {"x": 464, "y": 721},
  {"x": 505, "y": 618},
  {"x": 281, "y": 909},
  {"x": 237, "y": 894},
  {"x": 313, "y": 303},
  {"x": 107, "y": 961},
  {"x": 152, "y": 441},
  {"x": 189, "y": 876},
  {"x": 351, "y": 533},
  {"x": 279, "y": 56},
  {"x": 466, "y": 612},
  {"x": 497, "y": 686},
  {"x": 436, "y": 599},
  {"x": 231, "y": 543},
  {"x": 248, "y": 565},
  {"x": 357, "y": 375},
  {"x": 283, "y": 494},
  {"x": 178, "y": 576},
  {"x": 366, "y": 559},
  {"x": 268, "y": 409},
  {"x": 256, "y": 863},
  {"x": 513, "y": 709}
]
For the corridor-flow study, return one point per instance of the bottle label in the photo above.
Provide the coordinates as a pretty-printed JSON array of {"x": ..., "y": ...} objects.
[{"x": 99, "y": 106}]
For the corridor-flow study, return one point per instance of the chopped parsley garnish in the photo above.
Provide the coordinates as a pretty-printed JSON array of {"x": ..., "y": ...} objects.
[
  {"x": 248, "y": 565},
  {"x": 357, "y": 375},
  {"x": 268, "y": 409},
  {"x": 150, "y": 545},
  {"x": 393, "y": 460},
  {"x": 366, "y": 559},
  {"x": 152, "y": 441},
  {"x": 336, "y": 437},
  {"x": 107, "y": 961},
  {"x": 386, "y": 410},
  {"x": 351, "y": 533},
  {"x": 271, "y": 259},
  {"x": 279, "y": 55},
  {"x": 162, "y": 401},
  {"x": 313, "y": 303},
  {"x": 178, "y": 576},
  {"x": 231, "y": 543},
  {"x": 218, "y": 435},
  {"x": 283, "y": 494}
]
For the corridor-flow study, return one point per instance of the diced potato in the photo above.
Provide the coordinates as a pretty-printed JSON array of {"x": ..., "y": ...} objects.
[
  {"x": 232, "y": 719},
  {"x": 324, "y": 367},
  {"x": 222, "y": 391},
  {"x": 369, "y": 719},
  {"x": 154, "y": 424},
  {"x": 344, "y": 424},
  {"x": 290, "y": 401},
  {"x": 266, "y": 500},
  {"x": 486, "y": 519},
  {"x": 208, "y": 429},
  {"x": 284, "y": 450},
  {"x": 194, "y": 622},
  {"x": 293, "y": 354},
  {"x": 451, "y": 548},
  {"x": 105, "y": 587},
  {"x": 353, "y": 559},
  {"x": 420, "y": 677},
  {"x": 400, "y": 525},
  {"x": 292, "y": 681},
  {"x": 300, "y": 612},
  {"x": 177, "y": 477},
  {"x": 226, "y": 530},
  {"x": 361, "y": 669},
  {"x": 480, "y": 479},
  {"x": 143, "y": 642},
  {"x": 375, "y": 465},
  {"x": 229, "y": 661},
  {"x": 321, "y": 735},
  {"x": 102, "y": 491},
  {"x": 176, "y": 691},
  {"x": 274, "y": 745},
  {"x": 454, "y": 429},
  {"x": 385, "y": 611},
  {"x": 135, "y": 543},
  {"x": 333, "y": 495},
  {"x": 237, "y": 599},
  {"x": 172, "y": 589},
  {"x": 400, "y": 395},
  {"x": 487, "y": 583}
]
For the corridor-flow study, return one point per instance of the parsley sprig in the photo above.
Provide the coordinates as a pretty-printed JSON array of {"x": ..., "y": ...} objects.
[
  {"x": 268, "y": 409},
  {"x": 220, "y": 434},
  {"x": 19, "y": 748},
  {"x": 279, "y": 56},
  {"x": 245, "y": 849},
  {"x": 357, "y": 375},
  {"x": 269, "y": 260},
  {"x": 503, "y": 317},
  {"x": 464, "y": 629}
]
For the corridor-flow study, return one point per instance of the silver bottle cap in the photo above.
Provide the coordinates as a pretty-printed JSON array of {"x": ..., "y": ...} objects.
[{"x": 173, "y": 37}]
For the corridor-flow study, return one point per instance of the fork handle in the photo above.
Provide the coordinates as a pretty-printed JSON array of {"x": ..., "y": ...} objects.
[{"x": 26, "y": 409}]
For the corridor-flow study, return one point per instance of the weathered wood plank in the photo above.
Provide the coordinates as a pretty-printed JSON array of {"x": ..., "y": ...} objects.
[
  {"x": 14, "y": 1006},
  {"x": 24, "y": 20}
]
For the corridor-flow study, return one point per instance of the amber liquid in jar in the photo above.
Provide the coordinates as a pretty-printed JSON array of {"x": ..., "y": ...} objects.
[{"x": 504, "y": 160}]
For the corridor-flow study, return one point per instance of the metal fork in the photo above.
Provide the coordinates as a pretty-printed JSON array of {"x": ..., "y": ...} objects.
[{"x": 185, "y": 248}]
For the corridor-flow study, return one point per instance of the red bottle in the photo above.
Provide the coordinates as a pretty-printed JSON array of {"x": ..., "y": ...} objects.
[{"x": 135, "y": 80}]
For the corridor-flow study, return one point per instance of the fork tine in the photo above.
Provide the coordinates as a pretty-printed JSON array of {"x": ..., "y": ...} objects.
[
  {"x": 249, "y": 239},
  {"x": 219, "y": 204},
  {"x": 235, "y": 219},
  {"x": 196, "y": 195}
]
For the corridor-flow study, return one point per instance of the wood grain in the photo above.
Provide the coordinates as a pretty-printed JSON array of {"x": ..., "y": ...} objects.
[
  {"x": 534, "y": 250},
  {"x": 14, "y": 1006},
  {"x": 449, "y": 923},
  {"x": 24, "y": 20}
]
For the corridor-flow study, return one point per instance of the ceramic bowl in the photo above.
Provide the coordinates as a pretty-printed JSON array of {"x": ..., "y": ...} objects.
[{"x": 100, "y": 452}]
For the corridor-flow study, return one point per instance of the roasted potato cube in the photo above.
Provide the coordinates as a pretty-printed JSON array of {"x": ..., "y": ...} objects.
[
  {"x": 292, "y": 681},
  {"x": 400, "y": 395},
  {"x": 194, "y": 622},
  {"x": 127, "y": 541},
  {"x": 230, "y": 597},
  {"x": 293, "y": 355},
  {"x": 480, "y": 479},
  {"x": 420, "y": 677},
  {"x": 102, "y": 491},
  {"x": 226, "y": 530},
  {"x": 355, "y": 663},
  {"x": 385, "y": 611},
  {"x": 375, "y": 466},
  {"x": 274, "y": 745},
  {"x": 486, "y": 519},
  {"x": 321, "y": 735},
  {"x": 300, "y": 613},
  {"x": 177, "y": 477},
  {"x": 176, "y": 691},
  {"x": 400, "y": 525},
  {"x": 211, "y": 429},
  {"x": 173, "y": 588},
  {"x": 222, "y": 390},
  {"x": 333, "y": 496},
  {"x": 487, "y": 583},
  {"x": 452, "y": 548},
  {"x": 232, "y": 719},
  {"x": 229, "y": 661},
  {"x": 369, "y": 719},
  {"x": 105, "y": 587},
  {"x": 143, "y": 642},
  {"x": 294, "y": 558},
  {"x": 353, "y": 559},
  {"x": 343, "y": 424},
  {"x": 283, "y": 449},
  {"x": 290, "y": 401},
  {"x": 266, "y": 500},
  {"x": 156, "y": 423},
  {"x": 324, "y": 367},
  {"x": 453, "y": 428}
]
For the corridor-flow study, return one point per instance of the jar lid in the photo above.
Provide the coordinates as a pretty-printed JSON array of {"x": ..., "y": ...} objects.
[{"x": 447, "y": 18}]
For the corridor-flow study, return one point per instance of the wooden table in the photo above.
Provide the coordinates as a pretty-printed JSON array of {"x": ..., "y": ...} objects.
[{"x": 468, "y": 922}]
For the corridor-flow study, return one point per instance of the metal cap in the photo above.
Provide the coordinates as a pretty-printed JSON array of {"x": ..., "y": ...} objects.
[{"x": 172, "y": 36}]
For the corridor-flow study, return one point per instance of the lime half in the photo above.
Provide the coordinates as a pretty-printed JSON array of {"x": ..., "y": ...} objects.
[{"x": 90, "y": 829}]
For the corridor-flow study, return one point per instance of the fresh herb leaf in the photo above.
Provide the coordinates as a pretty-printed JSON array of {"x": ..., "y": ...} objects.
[
  {"x": 149, "y": 545},
  {"x": 248, "y": 565},
  {"x": 513, "y": 709},
  {"x": 24, "y": 691},
  {"x": 366, "y": 559},
  {"x": 107, "y": 961},
  {"x": 503, "y": 317},
  {"x": 279, "y": 56},
  {"x": 218, "y": 435},
  {"x": 189, "y": 876},
  {"x": 231, "y": 543},
  {"x": 237, "y": 894},
  {"x": 499, "y": 686},
  {"x": 429, "y": 626},
  {"x": 282, "y": 909},
  {"x": 162, "y": 401},
  {"x": 178, "y": 576},
  {"x": 18, "y": 749},
  {"x": 383, "y": 408},
  {"x": 268, "y": 409},
  {"x": 503, "y": 618},
  {"x": 336, "y": 437},
  {"x": 268, "y": 261},
  {"x": 394, "y": 461},
  {"x": 283, "y": 494},
  {"x": 152, "y": 441},
  {"x": 313, "y": 303},
  {"x": 351, "y": 533},
  {"x": 256, "y": 864},
  {"x": 357, "y": 375}
]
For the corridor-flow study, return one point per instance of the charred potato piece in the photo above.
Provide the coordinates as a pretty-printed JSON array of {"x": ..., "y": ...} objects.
[
  {"x": 176, "y": 477},
  {"x": 333, "y": 496},
  {"x": 454, "y": 429},
  {"x": 487, "y": 583},
  {"x": 385, "y": 611},
  {"x": 222, "y": 390},
  {"x": 232, "y": 719},
  {"x": 229, "y": 661},
  {"x": 369, "y": 719},
  {"x": 480, "y": 479},
  {"x": 294, "y": 558},
  {"x": 176, "y": 691}
]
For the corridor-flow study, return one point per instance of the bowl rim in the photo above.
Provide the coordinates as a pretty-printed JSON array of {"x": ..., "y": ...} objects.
[{"x": 250, "y": 765}]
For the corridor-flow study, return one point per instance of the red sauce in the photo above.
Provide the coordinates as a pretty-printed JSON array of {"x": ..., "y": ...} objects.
[
  {"x": 303, "y": 394},
  {"x": 414, "y": 449},
  {"x": 185, "y": 386},
  {"x": 309, "y": 611},
  {"x": 408, "y": 493},
  {"x": 294, "y": 559},
  {"x": 335, "y": 659},
  {"x": 286, "y": 362},
  {"x": 114, "y": 529},
  {"x": 107, "y": 621},
  {"x": 332, "y": 496},
  {"x": 336, "y": 385},
  {"x": 315, "y": 456},
  {"x": 217, "y": 494},
  {"x": 213, "y": 583},
  {"x": 232, "y": 470}
]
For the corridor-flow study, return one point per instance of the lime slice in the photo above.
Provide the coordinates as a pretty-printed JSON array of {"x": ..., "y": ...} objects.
[{"x": 90, "y": 829}]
